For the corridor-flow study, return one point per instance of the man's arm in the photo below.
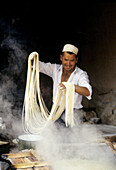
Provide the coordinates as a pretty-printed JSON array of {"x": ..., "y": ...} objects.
[{"x": 82, "y": 90}]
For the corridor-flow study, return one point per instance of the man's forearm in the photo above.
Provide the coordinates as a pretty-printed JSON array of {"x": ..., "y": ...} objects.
[{"x": 82, "y": 90}]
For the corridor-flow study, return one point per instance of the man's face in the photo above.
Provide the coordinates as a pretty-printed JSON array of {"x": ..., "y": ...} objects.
[{"x": 68, "y": 61}]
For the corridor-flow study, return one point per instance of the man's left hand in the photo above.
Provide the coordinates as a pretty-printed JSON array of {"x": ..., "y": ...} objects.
[{"x": 61, "y": 86}]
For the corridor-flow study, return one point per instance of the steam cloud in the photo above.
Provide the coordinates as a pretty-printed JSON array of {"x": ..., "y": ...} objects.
[
  {"x": 76, "y": 149},
  {"x": 11, "y": 79}
]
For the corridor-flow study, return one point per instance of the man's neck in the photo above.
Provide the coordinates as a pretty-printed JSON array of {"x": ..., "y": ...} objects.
[
  {"x": 68, "y": 72},
  {"x": 65, "y": 75}
]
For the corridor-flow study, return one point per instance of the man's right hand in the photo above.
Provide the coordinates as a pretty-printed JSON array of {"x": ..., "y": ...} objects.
[{"x": 32, "y": 55}]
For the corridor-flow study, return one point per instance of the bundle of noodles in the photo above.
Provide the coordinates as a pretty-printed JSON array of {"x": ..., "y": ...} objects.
[{"x": 35, "y": 115}]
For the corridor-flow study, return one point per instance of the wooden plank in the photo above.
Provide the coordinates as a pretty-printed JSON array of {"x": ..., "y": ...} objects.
[
  {"x": 26, "y": 169},
  {"x": 114, "y": 151},
  {"x": 17, "y": 160},
  {"x": 36, "y": 155},
  {"x": 33, "y": 158},
  {"x": 17, "y": 155},
  {"x": 37, "y": 168},
  {"x": 23, "y": 154},
  {"x": 111, "y": 145},
  {"x": 42, "y": 168},
  {"x": 29, "y": 165},
  {"x": 23, "y": 160}
]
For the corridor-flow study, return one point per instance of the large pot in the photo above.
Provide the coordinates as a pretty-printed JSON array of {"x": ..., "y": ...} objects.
[{"x": 28, "y": 141}]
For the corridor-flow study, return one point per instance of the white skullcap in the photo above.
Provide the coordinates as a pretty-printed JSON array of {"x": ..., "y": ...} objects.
[{"x": 70, "y": 48}]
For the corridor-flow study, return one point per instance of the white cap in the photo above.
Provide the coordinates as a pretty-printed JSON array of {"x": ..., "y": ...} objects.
[{"x": 70, "y": 48}]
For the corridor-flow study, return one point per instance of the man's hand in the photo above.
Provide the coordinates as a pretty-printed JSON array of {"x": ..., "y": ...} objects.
[
  {"x": 61, "y": 86},
  {"x": 32, "y": 55}
]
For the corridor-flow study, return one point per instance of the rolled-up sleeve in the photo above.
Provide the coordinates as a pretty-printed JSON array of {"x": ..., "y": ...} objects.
[{"x": 84, "y": 82}]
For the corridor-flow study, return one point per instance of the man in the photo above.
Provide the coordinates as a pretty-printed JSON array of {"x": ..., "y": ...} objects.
[{"x": 68, "y": 72}]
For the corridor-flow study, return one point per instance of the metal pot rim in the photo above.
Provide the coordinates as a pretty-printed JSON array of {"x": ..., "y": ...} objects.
[{"x": 30, "y": 137}]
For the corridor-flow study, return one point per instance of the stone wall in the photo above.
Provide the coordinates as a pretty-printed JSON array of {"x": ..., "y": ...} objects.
[{"x": 99, "y": 59}]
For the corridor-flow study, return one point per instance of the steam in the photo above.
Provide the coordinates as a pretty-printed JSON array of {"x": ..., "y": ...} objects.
[
  {"x": 66, "y": 147},
  {"x": 17, "y": 54},
  {"x": 11, "y": 92},
  {"x": 9, "y": 110}
]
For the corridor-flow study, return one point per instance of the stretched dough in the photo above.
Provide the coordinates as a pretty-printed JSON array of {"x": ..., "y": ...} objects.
[{"x": 35, "y": 115}]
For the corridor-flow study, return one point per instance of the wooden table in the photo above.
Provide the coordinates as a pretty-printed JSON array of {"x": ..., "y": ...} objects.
[{"x": 27, "y": 161}]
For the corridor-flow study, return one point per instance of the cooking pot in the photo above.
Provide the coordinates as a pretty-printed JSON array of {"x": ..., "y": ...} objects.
[{"x": 28, "y": 141}]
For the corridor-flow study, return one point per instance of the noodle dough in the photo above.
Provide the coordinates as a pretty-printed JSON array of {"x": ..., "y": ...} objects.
[{"x": 35, "y": 115}]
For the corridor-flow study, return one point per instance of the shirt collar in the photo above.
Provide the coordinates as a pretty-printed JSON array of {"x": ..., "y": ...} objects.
[
  {"x": 60, "y": 68},
  {"x": 76, "y": 70}
]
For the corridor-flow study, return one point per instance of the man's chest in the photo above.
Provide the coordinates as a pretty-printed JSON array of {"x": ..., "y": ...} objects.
[
  {"x": 65, "y": 77},
  {"x": 60, "y": 77}
]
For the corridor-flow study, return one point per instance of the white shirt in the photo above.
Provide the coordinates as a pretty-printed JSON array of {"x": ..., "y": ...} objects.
[{"x": 77, "y": 77}]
